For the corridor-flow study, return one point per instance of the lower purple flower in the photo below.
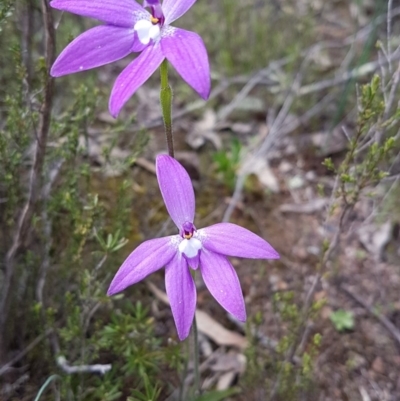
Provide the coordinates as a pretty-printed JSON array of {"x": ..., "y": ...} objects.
[{"x": 205, "y": 249}]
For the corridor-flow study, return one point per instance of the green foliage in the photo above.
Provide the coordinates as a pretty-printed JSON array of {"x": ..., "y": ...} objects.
[
  {"x": 275, "y": 371},
  {"x": 113, "y": 242},
  {"x": 82, "y": 220},
  {"x": 342, "y": 320},
  {"x": 6, "y": 11},
  {"x": 256, "y": 361},
  {"x": 74, "y": 234},
  {"x": 249, "y": 34},
  {"x": 15, "y": 140},
  {"x": 135, "y": 352},
  {"x": 150, "y": 393},
  {"x": 371, "y": 148},
  {"x": 227, "y": 162},
  {"x": 294, "y": 318},
  {"x": 218, "y": 395}
]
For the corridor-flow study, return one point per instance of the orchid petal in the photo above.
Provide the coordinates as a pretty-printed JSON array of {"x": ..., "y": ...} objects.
[
  {"x": 173, "y": 9},
  {"x": 133, "y": 76},
  {"x": 232, "y": 240},
  {"x": 122, "y": 13},
  {"x": 176, "y": 189},
  {"x": 145, "y": 259},
  {"x": 193, "y": 262},
  {"x": 98, "y": 46},
  {"x": 185, "y": 50},
  {"x": 149, "y": 3},
  {"x": 222, "y": 281},
  {"x": 181, "y": 292},
  {"x": 138, "y": 46}
]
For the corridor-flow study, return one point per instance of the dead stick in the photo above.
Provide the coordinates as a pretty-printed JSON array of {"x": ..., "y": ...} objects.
[
  {"x": 72, "y": 369},
  {"x": 381, "y": 318},
  {"x": 5, "y": 368}
]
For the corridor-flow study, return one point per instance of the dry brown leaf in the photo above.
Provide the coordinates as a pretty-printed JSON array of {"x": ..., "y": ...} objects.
[
  {"x": 144, "y": 163},
  {"x": 225, "y": 381},
  {"x": 218, "y": 333},
  {"x": 203, "y": 130},
  {"x": 231, "y": 361},
  {"x": 375, "y": 238},
  {"x": 106, "y": 117},
  {"x": 94, "y": 145},
  {"x": 264, "y": 173}
]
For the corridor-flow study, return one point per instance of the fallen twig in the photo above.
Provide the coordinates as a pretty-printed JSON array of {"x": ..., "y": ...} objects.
[
  {"x": 263, "y": 149},
  {"x": 146, "y": 165},
  {"x": 365, "y": 396},
  {"x": 228, "y": 109},
  {"x": 381, "y": 318},
  {"x": 5, "y": 368},
  {"x": 358, "y": 72},
  {"x": 308, "y": 207},
  {"x": 9, "y": 388},
  {"x": 71, "y": 369}
]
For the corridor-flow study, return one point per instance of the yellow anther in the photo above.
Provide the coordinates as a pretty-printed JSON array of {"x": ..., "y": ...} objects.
[
  {"x": 188, "y": 235},
  {"x": 154, "y": 20}
]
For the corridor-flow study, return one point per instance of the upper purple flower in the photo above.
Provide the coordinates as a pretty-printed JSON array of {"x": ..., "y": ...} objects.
[
  {"x": 130, "y": 28},
  {"x": 206, "y": 248}
]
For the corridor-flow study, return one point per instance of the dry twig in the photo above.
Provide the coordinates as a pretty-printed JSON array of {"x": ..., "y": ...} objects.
[
  {"x": 10, "y": 388},
  {"x": 385, "y": 322},
  {"x": 71, "y": 369},
  {"x": 8, "y": 366}
]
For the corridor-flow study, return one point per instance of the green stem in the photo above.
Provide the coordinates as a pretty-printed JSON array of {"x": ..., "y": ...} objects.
[{"x": 166, "y": 106}]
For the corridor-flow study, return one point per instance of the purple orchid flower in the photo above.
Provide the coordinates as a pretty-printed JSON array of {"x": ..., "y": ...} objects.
[
  {"x": 205, "y": 248},
  {"x": 130, "y": 28}
]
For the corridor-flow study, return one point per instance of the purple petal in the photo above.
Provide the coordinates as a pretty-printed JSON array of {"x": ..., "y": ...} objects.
[
  {"x": 176, "y": 189},
  {"x": 232, "y": 240},
  {"x": 223, "y": 283},
  {"x": 138, "y": 46},
  {"x": 186, "y": 52},
  {"x": 133, "y": 76},
  {"x": 115, "y": 12},
  {"x": 194, "y": 262},
  {"x": 98, "y": 46},
  {"x": 173, "y": 9},
  {"x": 145, "y": 259},
  {"x": 181, "y": 292}
]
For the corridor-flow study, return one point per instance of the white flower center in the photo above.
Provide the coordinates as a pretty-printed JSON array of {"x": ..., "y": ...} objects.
[
  {"x": 146, "y": 31},
  {"x": 190, "y": 247}
]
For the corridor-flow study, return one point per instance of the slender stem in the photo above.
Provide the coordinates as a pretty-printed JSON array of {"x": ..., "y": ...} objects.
[
  {"x": 166, "y": 106},
  {"x": 196, "y": 357}
]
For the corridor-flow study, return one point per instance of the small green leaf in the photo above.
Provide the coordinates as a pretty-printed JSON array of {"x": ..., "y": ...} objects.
[
  {"x": 342, "y": 320},
  {"x": 328, "y": 163},
  {"x": 217, "y": 395}
]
